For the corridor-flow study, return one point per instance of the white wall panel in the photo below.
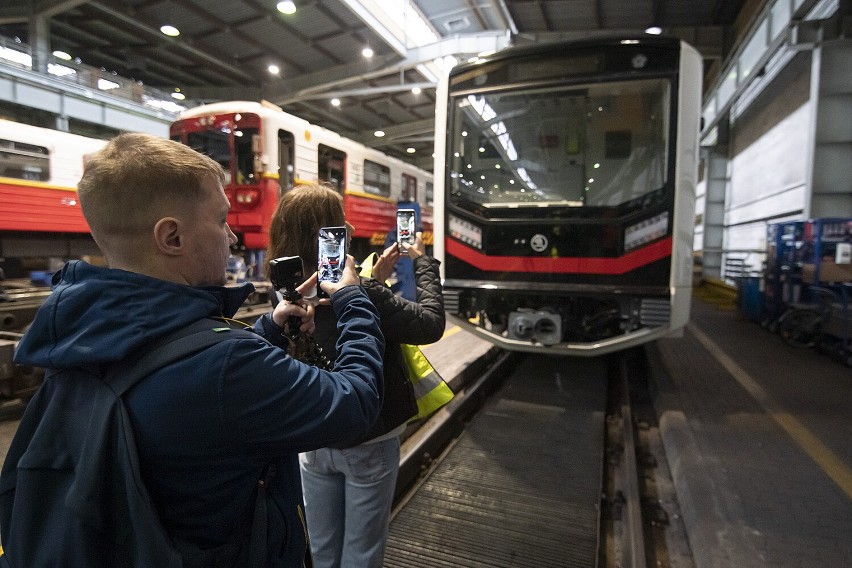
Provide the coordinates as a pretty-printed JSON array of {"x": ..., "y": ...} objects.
[{"x": 771, "y": 165}]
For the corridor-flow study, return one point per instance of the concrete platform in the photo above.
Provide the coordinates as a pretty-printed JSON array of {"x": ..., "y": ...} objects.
[{"x": 758, "y": 437}]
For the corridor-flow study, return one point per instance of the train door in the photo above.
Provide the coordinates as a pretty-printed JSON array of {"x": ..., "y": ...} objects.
[
  {"x": 409, "y": 188},
  {"x": 286, "y": 161},
  {"x": 332, "y": 167}
]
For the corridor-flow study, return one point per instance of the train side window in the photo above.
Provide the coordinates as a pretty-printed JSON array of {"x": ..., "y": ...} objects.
[
  {"x": 24, "y": 161},
  {"x": 409, "y": 188},
  {"x": 376, "y": 178},
  {"x": 286, "y": 160},
  {"x": 430, "y": 194},
  {"x": 331, "y": 167}
]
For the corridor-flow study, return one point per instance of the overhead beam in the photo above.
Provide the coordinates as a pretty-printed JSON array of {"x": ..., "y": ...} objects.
[
  {"x": 319, "y": 84},
  {"x": 159, "y": 38},
  {"x": 21, "y": 13},
  {"x": 399, "y": 132}
]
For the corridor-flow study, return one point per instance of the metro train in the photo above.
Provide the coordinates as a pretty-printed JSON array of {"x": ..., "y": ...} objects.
[
  {"x": 565, "y": 193},
  {"x": 39, "y": 171},
  {"x": 266, "y": 151}
]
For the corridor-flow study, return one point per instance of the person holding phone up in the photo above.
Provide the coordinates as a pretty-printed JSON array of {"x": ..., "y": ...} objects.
[{"x": 349, "y": 487}]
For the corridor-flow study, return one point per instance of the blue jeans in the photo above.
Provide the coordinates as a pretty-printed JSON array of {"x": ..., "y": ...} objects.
[{"x": 348, "y": 497}]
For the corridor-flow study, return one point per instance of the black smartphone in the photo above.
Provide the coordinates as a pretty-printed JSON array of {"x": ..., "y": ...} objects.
[
  {"x": 285, "y": 273},
  {"x": 406, "y": 226},
  {"x": 332, "y": 256}
]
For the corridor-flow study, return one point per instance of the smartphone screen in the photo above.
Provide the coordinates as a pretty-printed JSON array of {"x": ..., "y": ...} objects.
[
  {"x": 332, "y": 256},
  {"x": 405, "y": 226}
]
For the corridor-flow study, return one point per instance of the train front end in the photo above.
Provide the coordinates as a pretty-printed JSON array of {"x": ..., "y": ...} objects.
[
  {"x": 232, "y": 137},
  {"x": 566, "y": 188}
]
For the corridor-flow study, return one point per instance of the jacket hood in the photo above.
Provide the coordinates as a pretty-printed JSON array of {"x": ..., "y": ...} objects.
[{"x": 100, "y": 315}]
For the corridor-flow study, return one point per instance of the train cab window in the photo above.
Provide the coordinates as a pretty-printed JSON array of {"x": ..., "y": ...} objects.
[
  {"x": 286, "y": 160},
  {"x": 377, "y": 179},
  {"x": 213, "y": 143},
  {"x": 24, "y": 161},
  {"x": 409, "y": 188},
  {"x": 331, "y": 167},
  {"x": 247, "y": 154},
  {"x": 592, "y": 145}
]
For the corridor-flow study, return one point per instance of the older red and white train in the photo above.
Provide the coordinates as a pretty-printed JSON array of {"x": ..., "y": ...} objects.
[
  {"x": 266, "y": 151},
  {"x": 39, "y": 171}
]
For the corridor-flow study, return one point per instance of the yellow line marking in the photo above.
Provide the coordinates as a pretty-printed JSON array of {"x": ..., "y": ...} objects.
[
  {"x": 827, "y": 460},
  {"x": 452, "y": 331}
]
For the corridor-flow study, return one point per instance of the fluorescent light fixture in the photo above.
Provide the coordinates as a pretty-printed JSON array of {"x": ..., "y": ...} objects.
[
  {"x": 410, "y": 150},
  {"x": 106, "y": 84},
  {"x": 416, "y": 90},
  {"x": 654, "y": 30},
  {"x": 61, "y": 55},
  {"x": 379, "y": 133},
  {"x": 170, "y": 31},
  {"x": 287, "y": 7},
  {"x": 274, "y": 69},
  {"x": 335, "y": 102},
  {"x": 367, "y": 52},
  {"x": 178, "y": 96}
]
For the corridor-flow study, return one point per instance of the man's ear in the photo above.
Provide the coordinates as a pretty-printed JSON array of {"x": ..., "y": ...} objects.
[{"x": 169, "y": 237}]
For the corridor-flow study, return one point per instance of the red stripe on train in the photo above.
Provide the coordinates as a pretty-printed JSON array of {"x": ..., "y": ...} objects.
[{"x": 578, "y": 265}]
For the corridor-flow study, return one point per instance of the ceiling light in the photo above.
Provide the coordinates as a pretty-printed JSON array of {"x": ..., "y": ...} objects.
[
  {"x": 367, "y": 52},
  {"x": 274, "y": 69},
  {"x": 335, "y": 102},
  {"x": 170, "y": 31},
  {"x": 416, "y": 90},
  {"x": 379, "y": 133},
  {"x": 410, "y": 150},
  {"x": 654, "y": 30},
  {"x": 287, "y": 7},
  {"x": 61, "y": 55},
  {"x": 178, "y": 96}
]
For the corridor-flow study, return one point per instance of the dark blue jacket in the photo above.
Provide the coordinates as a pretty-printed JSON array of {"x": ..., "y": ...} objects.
[{"x": 207, "y": 425}]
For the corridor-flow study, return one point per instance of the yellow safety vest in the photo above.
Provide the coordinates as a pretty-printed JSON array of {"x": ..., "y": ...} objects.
[{"x": 430, "y": 390}]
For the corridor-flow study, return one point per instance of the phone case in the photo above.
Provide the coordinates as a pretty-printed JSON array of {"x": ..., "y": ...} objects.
[
  {"x": 332, "y": 255},
  {"x": 405, "y": 226}
]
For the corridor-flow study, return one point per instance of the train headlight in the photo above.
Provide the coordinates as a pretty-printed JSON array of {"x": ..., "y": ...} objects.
[
  {"x": 465, "y": 231},
  {"x": 646, "y": 231}
]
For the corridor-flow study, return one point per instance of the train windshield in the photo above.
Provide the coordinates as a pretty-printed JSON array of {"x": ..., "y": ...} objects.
[
  {"x": 231, "y": 146},
  {"x": 594, "y": 145}
]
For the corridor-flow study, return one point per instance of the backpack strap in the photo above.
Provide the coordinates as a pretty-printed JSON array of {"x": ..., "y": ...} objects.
[
  {"x": 185, "y": 341},
  {"x": 122, "y": 376}
]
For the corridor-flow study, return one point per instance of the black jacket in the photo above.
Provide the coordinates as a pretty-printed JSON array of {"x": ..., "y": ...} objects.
[{"x": 402, "y": 321}]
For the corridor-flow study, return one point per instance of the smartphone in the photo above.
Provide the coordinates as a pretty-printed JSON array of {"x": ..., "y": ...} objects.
[
  {"x": 332, "y": 256},
  {"x": 405, "y": 226}
]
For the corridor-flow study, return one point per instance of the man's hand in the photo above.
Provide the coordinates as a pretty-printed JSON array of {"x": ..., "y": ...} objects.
[{"x": 302, "y": 309}]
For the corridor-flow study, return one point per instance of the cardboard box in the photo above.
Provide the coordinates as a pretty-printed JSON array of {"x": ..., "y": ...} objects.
[{"x": 829, "y": 272}]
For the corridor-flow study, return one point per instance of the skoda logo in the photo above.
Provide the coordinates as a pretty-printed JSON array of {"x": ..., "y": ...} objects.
[{"x": 538, "y": 242}]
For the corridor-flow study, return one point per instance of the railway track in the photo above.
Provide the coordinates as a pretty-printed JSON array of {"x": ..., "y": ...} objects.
[{"x": 566, "y": 485}]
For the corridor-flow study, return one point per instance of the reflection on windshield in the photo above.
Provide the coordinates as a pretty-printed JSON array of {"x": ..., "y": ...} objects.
[
  {"x": 593, "y": 145},
  {"x": 215, "y": 143}
]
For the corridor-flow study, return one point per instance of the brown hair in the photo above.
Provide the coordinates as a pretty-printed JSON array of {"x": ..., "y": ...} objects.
[
  {"x": 301, "y": 212},
  {"x": 136, "y": 179}
]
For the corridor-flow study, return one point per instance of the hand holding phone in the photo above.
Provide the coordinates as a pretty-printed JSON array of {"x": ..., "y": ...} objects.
[
  {"x": 331, "y": 260},
  {"x": 406, "y": 226}
]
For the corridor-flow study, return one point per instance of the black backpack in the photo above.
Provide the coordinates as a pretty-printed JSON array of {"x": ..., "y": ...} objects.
[{"x": 70, "y": 490}]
